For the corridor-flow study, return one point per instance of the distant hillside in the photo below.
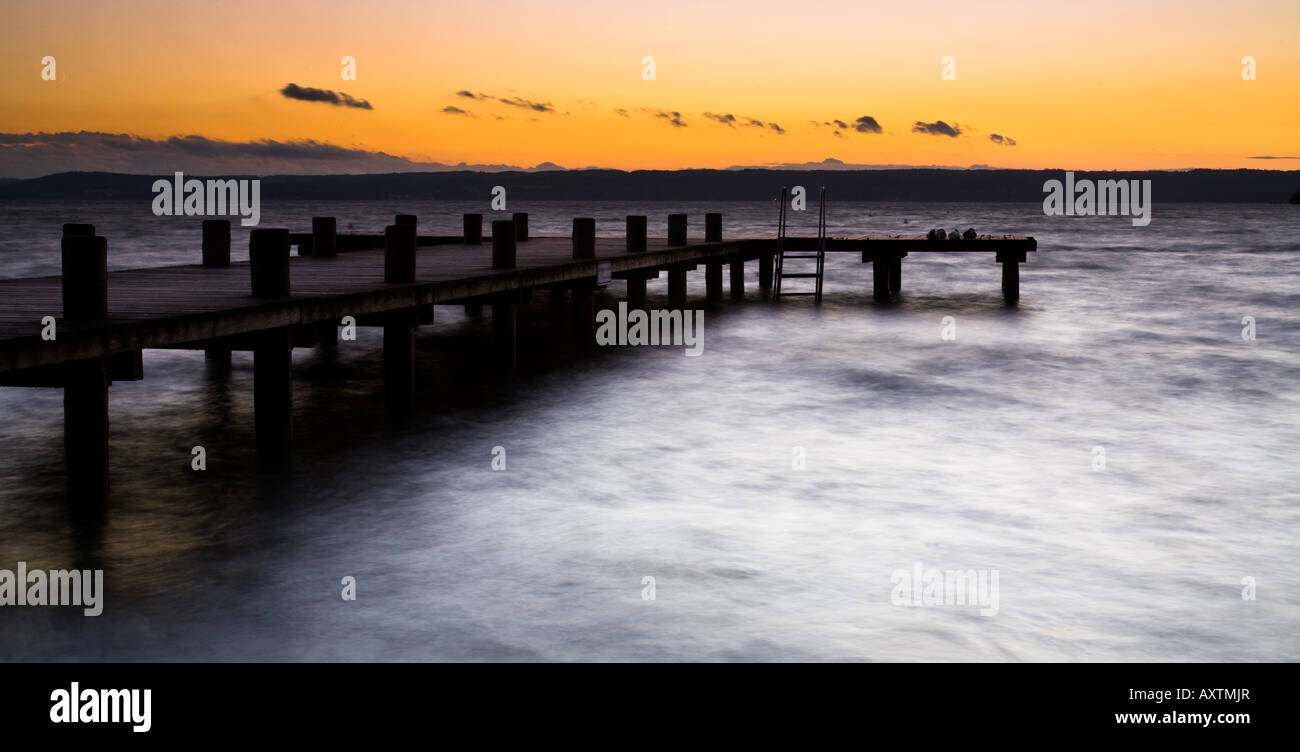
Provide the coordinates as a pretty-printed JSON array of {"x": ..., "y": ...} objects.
[{"x": 1231, "y": 186}]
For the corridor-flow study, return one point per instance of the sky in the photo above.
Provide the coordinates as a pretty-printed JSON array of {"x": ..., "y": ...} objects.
[{"x": 237, "y": 86}]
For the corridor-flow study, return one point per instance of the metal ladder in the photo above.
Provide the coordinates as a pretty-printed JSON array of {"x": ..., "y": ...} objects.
[{"x": 781, "y": 256}]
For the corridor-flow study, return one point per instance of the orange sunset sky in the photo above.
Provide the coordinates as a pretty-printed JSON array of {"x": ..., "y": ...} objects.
[{"x": 1090, "y": 85}]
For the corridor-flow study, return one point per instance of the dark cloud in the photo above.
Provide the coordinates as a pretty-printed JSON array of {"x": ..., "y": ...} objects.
[
  {"x": 449, "y": 110},
  {"x": 467, "y": 94},
  {"x": 1273, "y": 157},
  {"x": 840, "y": 124},
  {"x": 308, "y": 94},
  {"x": 937, "y": 128},
  {"x": 1003, "y": 140},
  {"x": 774, "y": 127},
  {"x": 728, "y": 120},
  {"x": 526, "y": 104},
  {"x": 622, "y": 112},
  {"x": 674, "y": 118},
  {"x": 865, "y": 124}
]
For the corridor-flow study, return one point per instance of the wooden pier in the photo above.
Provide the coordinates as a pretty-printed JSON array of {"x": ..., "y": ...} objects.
[{"x": 88, "y": 327}]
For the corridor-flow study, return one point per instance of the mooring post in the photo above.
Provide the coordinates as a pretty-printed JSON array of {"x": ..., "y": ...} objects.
[
  {"x": 503, "y": 329},
  {"x": 503, "y": 244},
  {"x": 676, "y": 229},
  {"x": 85, "y": 390},
  {"x": 713, "y": 227},
  {"x": 1011, "y": 261},
  {"x": 521, "y": 225},
  {"x": 677, "y": 288},
  {"x": 324, "y": 237},
  {"x": 636, "y": 233},
  {"x": 584, "y": 237},
  {"x": 268, "y": 253},
  {"x": 472, "y": 232}
]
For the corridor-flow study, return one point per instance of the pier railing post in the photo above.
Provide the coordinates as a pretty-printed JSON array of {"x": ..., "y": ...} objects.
[
  {"x": 503, "y": 244},
  {"x": 521, "y": 225},
  {"x": 472, "y": 229},
  {"x": 85, "y": 390},
  {"x": 324, "y": 237},
  {"x": 713, "y": 227},
  {"x": 676, "y": 229},
  {"x": 268, "y": 252}
]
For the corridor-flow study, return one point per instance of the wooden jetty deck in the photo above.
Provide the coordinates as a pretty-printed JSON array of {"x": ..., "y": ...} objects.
[{"x": 86, "y": 328}]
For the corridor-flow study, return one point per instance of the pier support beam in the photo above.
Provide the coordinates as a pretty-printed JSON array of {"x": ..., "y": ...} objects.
[
  {"x": 677, "y": 288},
  {"x": 1011, "y": 261},
  {"x": 268, "y": 253},
  {"x": 85, "y": 391},
  {"x": 636, "y": 283},
  {"x": 765, "y": 264},
  {"x": 504, "y": 333},
  {"x": 881, "y": 264},
  {"x": 896, "y": 273},
  {"x": 738, "y": 279},
  {"x": 713, "y": 281},
  {"x": 399, "y": 365},
  {"x": 584, "y": 312}
]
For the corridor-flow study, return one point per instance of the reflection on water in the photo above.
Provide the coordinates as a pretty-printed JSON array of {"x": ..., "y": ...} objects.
[{"x": 635, "y": 462}]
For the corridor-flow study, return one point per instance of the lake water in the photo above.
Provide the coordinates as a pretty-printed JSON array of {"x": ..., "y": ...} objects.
[{"x": 976, "y": 453}]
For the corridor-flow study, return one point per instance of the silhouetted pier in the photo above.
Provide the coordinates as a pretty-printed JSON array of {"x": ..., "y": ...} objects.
[{"x": 88, "y": 327}]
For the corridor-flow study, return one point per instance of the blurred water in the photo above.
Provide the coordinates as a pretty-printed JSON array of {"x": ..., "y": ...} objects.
[{"x": 635, "y": 462}]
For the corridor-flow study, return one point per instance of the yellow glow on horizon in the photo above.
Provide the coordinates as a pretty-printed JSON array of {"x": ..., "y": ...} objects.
[{"x": 1107, "y": 85}]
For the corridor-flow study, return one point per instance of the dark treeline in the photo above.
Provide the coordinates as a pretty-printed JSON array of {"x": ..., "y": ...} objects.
[{"x": 1235, "y": 186}]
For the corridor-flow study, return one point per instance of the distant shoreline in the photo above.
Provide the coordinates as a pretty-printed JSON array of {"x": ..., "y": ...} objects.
[{"x": 903, "y": 185}]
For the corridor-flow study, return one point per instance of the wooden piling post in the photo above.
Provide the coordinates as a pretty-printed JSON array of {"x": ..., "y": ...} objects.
[
  {"x": 324, "y": 237},
  {"x": 636, "y": 292},
  {"x": 765, "y": 264},
  {"x": 636, "y": 233},
  {"x": 399, "y": 253},
  {"x": 472, "y": 225},
  {"x": 880, "y": 271},
  {"x": 268, "y": 252},
  {"x": 406, "y": 219},
  {"x": 216, "y": 254},
  {"x": 216, "y": 243},
  {"x": 713, "y": 281},
  {"x": 676, "y": 229},
  {"x": 738, "y": 279},
  {"x": 85, "y": 390},
  {"x": 896, "y": 273},
  {"x": 677, "y": 288},
  {"x": 584, "y": 312},
  {"x": 521, "y": 225},
  {"x": 713, "y": 227},
  {"x": 503, "y": 244},
  {"x": 268, "y": 257},
  {"x": 584, "y": 237}
]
